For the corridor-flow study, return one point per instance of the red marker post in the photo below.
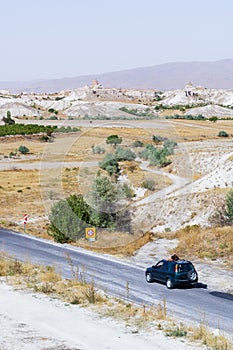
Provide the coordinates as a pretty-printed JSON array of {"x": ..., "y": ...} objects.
[{"x": 25, "y": 222}]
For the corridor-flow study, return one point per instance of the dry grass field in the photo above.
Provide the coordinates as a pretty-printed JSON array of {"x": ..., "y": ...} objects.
[
  {"x": 211, "y": 243},
  {"x": 19, "y": 194}
]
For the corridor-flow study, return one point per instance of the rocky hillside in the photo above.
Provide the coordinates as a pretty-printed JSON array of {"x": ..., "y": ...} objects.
[{"x": 95, "y": 101}]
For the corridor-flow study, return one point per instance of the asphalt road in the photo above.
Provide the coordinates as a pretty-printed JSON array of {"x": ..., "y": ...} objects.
[{"x": 192, "y": 304}]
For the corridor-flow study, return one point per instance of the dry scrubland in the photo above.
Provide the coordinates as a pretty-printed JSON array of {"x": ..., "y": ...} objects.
[
  {"x": 138, "y": 319},
  {"x": 34, "y": 191}
]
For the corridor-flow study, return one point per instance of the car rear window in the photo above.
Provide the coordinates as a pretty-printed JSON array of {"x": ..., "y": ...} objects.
[{"x": 184, "y": 267}]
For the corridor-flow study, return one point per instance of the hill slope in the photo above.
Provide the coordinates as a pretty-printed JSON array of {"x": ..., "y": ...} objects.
[{"x": 168, "y": 76}]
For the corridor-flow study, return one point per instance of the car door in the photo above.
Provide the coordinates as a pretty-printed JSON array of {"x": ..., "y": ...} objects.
[
  {"x": 163, "y": 271},
  {"x": 158, "y": 271}
]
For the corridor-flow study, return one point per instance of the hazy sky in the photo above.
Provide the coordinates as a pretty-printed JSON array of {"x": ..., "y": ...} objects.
[{"x": 43, "y": 39}]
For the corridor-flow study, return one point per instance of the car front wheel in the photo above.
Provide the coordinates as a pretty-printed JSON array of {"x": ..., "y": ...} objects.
[
  {"x": 149, "y": 277},
  {"x": 169, "y": 284}
]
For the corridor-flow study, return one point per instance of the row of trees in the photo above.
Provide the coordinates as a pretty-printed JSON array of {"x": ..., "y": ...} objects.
[
  {"x": 140, "y": 113},
  {"x": 29, "y": 129},
  {"x": 159, "y": 156}
]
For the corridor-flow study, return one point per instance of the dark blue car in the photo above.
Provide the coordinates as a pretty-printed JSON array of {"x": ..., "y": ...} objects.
[{"x": 172, "y": 273}]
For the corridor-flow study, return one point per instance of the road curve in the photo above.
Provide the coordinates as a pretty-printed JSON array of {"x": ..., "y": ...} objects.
[
  {"x": 178, "y": 183},
  {"x": 193, "y": 304}
]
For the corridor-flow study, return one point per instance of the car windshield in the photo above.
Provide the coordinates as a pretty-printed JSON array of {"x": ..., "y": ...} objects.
[{"x": 184, "y": 267}]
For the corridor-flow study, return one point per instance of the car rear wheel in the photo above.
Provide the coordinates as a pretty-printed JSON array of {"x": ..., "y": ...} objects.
[
  {"x": 149, "y": 277},
  {"x": 192, "y": 276},
  {"x": 169, "y": 284}
]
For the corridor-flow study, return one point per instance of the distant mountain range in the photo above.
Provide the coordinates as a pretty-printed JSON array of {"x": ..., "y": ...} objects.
[{"x": 168, "y": 76}]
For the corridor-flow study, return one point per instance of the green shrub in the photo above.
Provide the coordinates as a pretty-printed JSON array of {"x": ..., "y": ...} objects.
[
  {"x": 53, "y": 117},
  {"x": 169, "y": 145},
  {"x": 124, "y": 154},
  {"x": 158, "y": 139},
  {"x": 138, "y": 144},
  {"x": 149, "y": 184},
  {"x": 44, "y": 138},
  {"x": 12, "y": 154},
  {"x": 110, "y": 164},
  {"x": 213, "y": 119},
  {"x": 176, "y": 332},
  {"x": 127, "y": 191},
  {"x": 67, "y": 129},
  {"x": 51, "y": 110},
  {"x": 158, "y": 156},
  {"x": 68, "y": 219},
  {"x": 23, "y": 149},
  {"x": 223, "y": 133},
  {"x": 98, "y": 150}
]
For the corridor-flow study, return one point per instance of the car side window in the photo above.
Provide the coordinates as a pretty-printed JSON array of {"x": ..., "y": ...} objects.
[
  {"x": 165, "y": 266},
  {"x": 159, "y": 264}
]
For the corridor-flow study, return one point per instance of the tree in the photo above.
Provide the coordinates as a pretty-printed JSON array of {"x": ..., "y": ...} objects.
[
  {"x": 124, "y": 154},
  {"x": 213, "y": 119},
  {"x": 114, "y": 140},
  {"x": 23, "y": 149},
  {"x": 104, "y": 196},
  {"x": 107, "y": 203},
  {"x": 110, "y": 164},
  {"x": 104, "y": 191},
  {"x": 8, "y": 120},
  {"x": 69, "y": 218}
]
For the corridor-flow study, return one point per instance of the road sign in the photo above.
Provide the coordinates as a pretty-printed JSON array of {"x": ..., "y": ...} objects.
[
  {"x": 25, "y": 222},
  {"x": 91, "y": 233},
  {"x": 25, "y": 219}
]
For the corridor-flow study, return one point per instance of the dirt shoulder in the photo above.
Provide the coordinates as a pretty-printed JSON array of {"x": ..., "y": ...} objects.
[{"x": 32, "y": 321}]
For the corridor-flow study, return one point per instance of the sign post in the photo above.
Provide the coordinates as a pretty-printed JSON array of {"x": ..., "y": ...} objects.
[
  {"x": 25, "y": 222},
  {"x": 90, "y": 234}
]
